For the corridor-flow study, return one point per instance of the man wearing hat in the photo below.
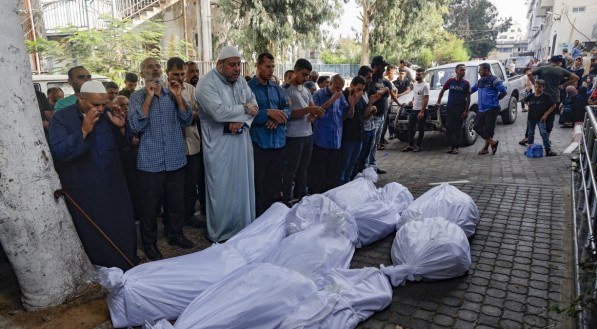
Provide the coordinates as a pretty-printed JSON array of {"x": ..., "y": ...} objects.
[
  {"x": 227, "y": 108},
  {"x": 158, "y": 113},
  {"x": 83, "y": 145},
  {"x": 381, "y": 86}
]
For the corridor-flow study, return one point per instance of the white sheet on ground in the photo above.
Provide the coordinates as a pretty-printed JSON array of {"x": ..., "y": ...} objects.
[
  {"x": 349, "y": 297},
  {"x": 312, "y": 210},
  {"x": 163, "y": 289},
  {"x": 444, "y": 201},
  {"x": 255, "y": 296},
  {"x": 376, "y": 211},
  {"x": 428, "y": 249},
  {"x": 262, "y": 235},
  {"x": 315, "y": 251}
]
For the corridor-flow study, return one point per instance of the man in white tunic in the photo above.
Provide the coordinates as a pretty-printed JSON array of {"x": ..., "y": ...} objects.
[{"x": 227, "y": 108}]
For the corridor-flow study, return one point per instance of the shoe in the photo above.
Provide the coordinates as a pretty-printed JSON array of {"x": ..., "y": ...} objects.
[
  {"x": 152, "y": 253},
  {"x": 407, "y": 149},
  {"x": 550, "y": 153},
  {"x": 523, "y": 142},
  {"x": 391, "y": 137},
  {"x": 494, "y": 147},
  {"x": 380, "y": 171},
  {"x": 416, "y": 149},
  {"x": 455, "y": 151},
  {"x": 181, "y": 241}
]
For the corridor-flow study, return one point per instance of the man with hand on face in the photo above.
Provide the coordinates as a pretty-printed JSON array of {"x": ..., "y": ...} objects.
[
  {"x": 158, "y": 113},
  {"x": 83, "y": 145},
  {"x": 176, "y": 70},
  {"x": 227, "y": 108},
  {"x": 299, "y": 133},
  {"x": 324, "y": 169},
  {"x": 77, "y": 76},
  {"x": 268, "y": 133}
]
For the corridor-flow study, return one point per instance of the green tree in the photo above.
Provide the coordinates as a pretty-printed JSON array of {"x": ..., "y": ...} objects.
[
  {"x": 399, "y": 28},
  {"x": 343, "y": 51},
  {"x": 450, "y": 50},
  {"x": 476, "y": 22},
  {"x": 112, "y": 51},
  {"x": 276, "y": 26}
]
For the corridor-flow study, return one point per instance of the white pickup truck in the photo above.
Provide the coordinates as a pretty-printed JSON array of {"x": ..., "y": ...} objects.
[{"x": 436, "y": 117}]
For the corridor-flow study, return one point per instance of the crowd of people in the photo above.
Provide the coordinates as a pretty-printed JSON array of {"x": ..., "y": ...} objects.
[{"x": 234, "y": 146}]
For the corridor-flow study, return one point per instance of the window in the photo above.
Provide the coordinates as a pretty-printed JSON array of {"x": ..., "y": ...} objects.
[
  {"x": 578, "y": 9},
  {"x": 495, "y": 69}
]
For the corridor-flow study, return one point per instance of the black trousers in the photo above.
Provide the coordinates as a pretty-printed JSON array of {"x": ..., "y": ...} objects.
[
  {"x": 269, "y": 164},
  {"x": 485, "y": 123},
  {"x": 454, "y": 122},
  {"x": 297, "y": 158},
  {"x": 414, "y": 125},
  {"x": 324, "y": 169},
  {"x": 169, "y": 184},
  {"x": 128, "y": 160},
  {"x": 194, "y": 184}
]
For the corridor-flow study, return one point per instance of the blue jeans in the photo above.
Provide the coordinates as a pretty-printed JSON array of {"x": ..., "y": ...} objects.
[
  {"x": 542, "y": 131},
  {"x": 378, "y": 128},
  {"x": 350, "y": 152},
  {"x": 366, "y": 149}
]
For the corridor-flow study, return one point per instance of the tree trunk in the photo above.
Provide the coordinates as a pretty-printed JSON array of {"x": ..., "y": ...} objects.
[
  {"x": 36, "y": 231},
  {"x": 365, "y": 35}
]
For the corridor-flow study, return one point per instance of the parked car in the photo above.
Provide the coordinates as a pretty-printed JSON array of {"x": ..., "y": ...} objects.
[
  {"x": 42, "y": 82},
  {"x": 436, "y": 117},
  {"x": 521, "y": 63}
]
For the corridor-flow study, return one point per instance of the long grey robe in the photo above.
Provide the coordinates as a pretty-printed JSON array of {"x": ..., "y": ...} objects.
[{"x": 229, "y": 183}]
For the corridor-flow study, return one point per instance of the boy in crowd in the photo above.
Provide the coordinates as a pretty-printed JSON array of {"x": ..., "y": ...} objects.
[{"x": 541, "y": 105}]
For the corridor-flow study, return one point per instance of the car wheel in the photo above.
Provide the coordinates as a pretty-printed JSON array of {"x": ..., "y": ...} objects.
[
  {"x": 509, "y": 115},
  {"x": 469, "y": 135}
]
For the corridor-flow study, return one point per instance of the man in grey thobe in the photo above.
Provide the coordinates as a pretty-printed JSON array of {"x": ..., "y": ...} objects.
[{"x": 227, "y": 107}]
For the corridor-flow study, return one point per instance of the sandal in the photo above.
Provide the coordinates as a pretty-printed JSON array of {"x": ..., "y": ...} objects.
[
  {"x": 380, "y": 147},
  {"x": 416, "y": 149},
  {"x": 407, "y": 149},
  {"x": 494, "y": 147},
  {"x": 449, "y": 150},
  {"x": 455, "y": 151},
  {"x": 483, "y": 152}
]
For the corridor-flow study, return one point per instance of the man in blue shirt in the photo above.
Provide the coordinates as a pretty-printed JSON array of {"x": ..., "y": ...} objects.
[
  {"x": 458, "y": 103},
  {"x": 327, "y": 135},
  {"x": 159, "y": 114},
  {"x": 268, "y": 133},
  {"x": 576, "y": 51},
  {"x": 491, "y": 90}
]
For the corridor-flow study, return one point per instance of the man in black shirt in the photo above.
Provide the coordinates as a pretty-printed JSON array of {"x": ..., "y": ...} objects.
[
  {"x": 541, "y": 105},
  {"x": 383, "y": 87}
]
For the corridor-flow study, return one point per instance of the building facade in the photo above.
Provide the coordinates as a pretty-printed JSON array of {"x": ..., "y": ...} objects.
[{"x": 554, "y": 25}]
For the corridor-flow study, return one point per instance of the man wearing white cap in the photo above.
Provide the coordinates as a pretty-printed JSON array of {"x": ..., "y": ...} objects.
[
  {"x": 83, "y": 145},
  {"x": 227, "y": 108}
]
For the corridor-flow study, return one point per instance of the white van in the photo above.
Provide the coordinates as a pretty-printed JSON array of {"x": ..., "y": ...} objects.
[{"x": 42, "y": 82}]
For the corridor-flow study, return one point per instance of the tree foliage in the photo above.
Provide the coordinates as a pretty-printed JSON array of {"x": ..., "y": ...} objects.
[
  {"x": 410, "y": 29},
  {"x": 476, "y": 22},
  {"x": 276, "y": 26},
  {"x": 112, "y": 51},
  {"x": 343, "y": 51},
  {"x": 450, "y": 50}
]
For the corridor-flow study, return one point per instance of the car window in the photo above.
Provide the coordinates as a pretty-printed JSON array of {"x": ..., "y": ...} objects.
[
  {"x": 497, "y": 71},
  {"x": 436, "y": 78},
  {"x": 66, "y": 88}
]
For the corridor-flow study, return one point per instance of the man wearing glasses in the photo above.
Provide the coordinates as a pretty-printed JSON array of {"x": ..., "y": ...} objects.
[{"x": 77, "y": 76}]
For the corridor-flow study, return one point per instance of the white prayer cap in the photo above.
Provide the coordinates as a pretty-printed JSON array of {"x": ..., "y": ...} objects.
[
  {"x": 93, "y": 87},
  {"x": 227, "y": 52}
]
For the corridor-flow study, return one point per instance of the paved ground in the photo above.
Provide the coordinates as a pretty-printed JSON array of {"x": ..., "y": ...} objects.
[
  {"x": 521, "y": 252},
  {"x": 521, "y": 259}
]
